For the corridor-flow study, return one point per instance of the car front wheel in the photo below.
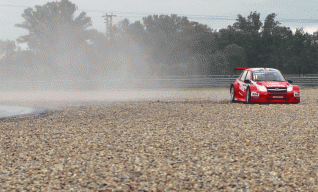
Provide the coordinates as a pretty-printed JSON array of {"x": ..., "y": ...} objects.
[
  {"x": 232, "y": 94},
  {"x": 248, "y": 96}
]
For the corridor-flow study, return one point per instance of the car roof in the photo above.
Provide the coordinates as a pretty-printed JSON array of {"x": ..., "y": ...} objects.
[{"x": 266, "y": 69}]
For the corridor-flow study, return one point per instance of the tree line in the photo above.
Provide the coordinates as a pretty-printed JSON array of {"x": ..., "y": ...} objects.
[{"x": 62, "y": 45}]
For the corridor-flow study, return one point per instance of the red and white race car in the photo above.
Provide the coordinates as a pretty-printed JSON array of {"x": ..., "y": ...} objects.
[{"x": 263, "y": 85}]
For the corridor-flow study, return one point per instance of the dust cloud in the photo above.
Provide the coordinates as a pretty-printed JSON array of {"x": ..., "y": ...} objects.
[
  {"x": 73, "y": 76},
  {"x": 123, "y": 74},
  {"x": 71, "y": 65}
]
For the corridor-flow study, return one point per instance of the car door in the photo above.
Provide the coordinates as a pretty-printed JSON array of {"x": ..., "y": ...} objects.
[
  {"x": 241, "y": 83},
  {"x": 245, "y": 85}
]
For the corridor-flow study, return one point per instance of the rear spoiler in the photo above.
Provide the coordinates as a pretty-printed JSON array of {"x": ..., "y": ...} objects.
[{"x": 240, "y": 68}]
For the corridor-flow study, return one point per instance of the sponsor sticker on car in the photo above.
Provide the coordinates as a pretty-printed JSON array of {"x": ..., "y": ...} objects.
[
  {"x": 278, "y": 96},
  {"x": 275, "y": 85}
]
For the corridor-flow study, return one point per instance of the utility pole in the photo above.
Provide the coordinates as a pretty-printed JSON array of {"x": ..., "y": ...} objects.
[{"x": 109, "y": 26}]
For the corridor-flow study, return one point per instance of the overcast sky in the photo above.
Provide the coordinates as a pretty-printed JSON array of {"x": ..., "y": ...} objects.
[{"x": 291, "y": 13}]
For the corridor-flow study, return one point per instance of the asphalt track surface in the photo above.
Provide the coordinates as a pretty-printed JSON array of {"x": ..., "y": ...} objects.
[
  {"x": 15, "y": 104},
  {"x": 16, "y": 111}
]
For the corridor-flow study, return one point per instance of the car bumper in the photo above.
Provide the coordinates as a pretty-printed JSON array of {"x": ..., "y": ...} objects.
[{"x": 267, "y": 97}]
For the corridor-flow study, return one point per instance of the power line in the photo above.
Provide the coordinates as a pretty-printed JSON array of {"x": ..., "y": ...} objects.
[
  {"x": 201, "y": 17},
  {"x": 13, "y": 6}
]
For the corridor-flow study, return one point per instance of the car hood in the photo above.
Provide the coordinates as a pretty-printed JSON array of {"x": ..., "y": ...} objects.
[{"x": 282, "y": 84}]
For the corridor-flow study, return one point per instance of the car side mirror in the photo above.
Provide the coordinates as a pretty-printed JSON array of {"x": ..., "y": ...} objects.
[
  {"x": 290, "y": 81},
  {"x": 247, "y": 81}
]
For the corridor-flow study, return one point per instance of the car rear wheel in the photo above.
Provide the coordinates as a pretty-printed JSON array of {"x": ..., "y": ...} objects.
[
  {"x": 248, "y": 96},
  {"x": 232, "y": 94}
]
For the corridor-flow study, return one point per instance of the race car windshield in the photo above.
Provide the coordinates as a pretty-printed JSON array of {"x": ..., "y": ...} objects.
[{"x": 263, "y": 75}]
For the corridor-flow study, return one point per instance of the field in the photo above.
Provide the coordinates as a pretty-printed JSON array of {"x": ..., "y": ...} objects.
[{"x": 188, "y": 140}]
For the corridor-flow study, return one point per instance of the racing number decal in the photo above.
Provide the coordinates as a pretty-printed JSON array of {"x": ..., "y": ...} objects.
[{"x": 255, "y": 77}]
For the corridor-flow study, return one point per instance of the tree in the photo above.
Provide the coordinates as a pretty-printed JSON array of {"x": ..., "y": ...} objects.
[
  {"x": 175, "y": 40},
  {"x": 7, "y": 48},
  {"x": 170, "y": 42},
  {"x": 8, "y": 59},
  {"x": 235, "y": 57},
  {"x": 57, "y": 38},
  {"x": 251, "y": 25},
  {"x": 51, "y": 22},
  {"x": 270, "y": 24},
  {"x": 269, "y": 42},
  {"x": 274, "y": 46},
  {"x": 247, "y": 35}
]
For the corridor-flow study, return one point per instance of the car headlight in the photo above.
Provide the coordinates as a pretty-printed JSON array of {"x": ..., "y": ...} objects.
[
  {"x": 289, "y": 88},
  {"x": 261, "y": 88}
]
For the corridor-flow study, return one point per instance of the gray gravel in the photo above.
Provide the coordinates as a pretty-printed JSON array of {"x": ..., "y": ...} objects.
[{"x": 195, "y": 143}]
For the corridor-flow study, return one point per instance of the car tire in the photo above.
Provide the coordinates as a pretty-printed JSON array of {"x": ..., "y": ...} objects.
[
  {"x": 248, "y": 95},
  {"x": 232, "y": 92}
]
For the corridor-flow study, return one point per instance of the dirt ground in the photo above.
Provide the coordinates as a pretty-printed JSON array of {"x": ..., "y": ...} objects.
[{"x": 167, "y": 140}]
